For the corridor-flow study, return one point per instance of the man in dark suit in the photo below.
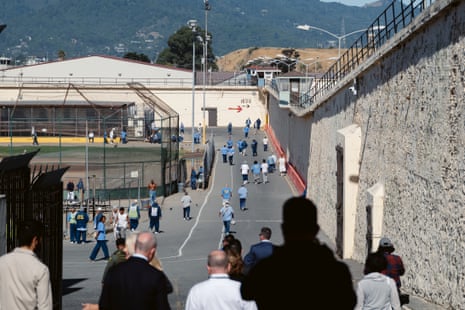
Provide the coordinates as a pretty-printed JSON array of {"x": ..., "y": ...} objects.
[
  {"x": 136, "y": 284},
  {"x": 303, "y": 273},
  {"x": 259, "y": 250}
]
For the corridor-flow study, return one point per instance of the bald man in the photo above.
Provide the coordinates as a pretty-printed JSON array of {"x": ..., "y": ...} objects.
[
  {"x": 219, "y": 291},
  {"x": 136, "y": 284}
]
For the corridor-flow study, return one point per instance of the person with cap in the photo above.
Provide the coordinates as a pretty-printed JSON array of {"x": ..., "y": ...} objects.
[
  {"x": 101, "y": 241},
  {"x": 98, "y": 217},
  {"x": 375, "y": 290},
  {"x": 325, "y": 282},
  {"x": 395, "y": 267},
  {"x": 260, "y": 250},
  {"x": 219, "y": 291},
  {"x": 227, "y": 215},
  {"x": 134, "y": 215}
]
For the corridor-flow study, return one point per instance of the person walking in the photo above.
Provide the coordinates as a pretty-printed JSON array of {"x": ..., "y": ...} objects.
[
  {"x": 193, "y": 179},
  {"x": 246, "y": 131},
  {"x": 81, "y": 189},
  {"x": 81, "y": 225},
  {"x": 301, "y": 255},
  {"x": 218, "y": 291},
  {"x": 395, "y": 266},
  {"x": 282, "y": 166},
  {"x": 227, "y": 215},
  {"x": 98, "y": 217},
  {"x": 91, "y": 136},
  {"x": 24, "y": 279},
  {"x": 122, "y": 223},
  {"x": 254, "y": 146},
  {"x": 257, "y": 125},
  {"x": 245, "y": 172},
  {"x": 134, "y": 215},
  {"x": 256, "y": 172},
  {"x": 135, "y": 284},
  {"x": 259, "y": 251},
  {"x": 101, "y": 241},
  {"x": 264, "y": 169},
  {"x": 226, "y": 193},
  {"x": 265, "y": 144},
  {"x": 112, "y": 135},
  {"x": 154, "y": 217},
  {"x": 231, "y": 155},
  {"x": 224, "y": 153},
  {"x": 114, "y": 221},
  {"x": 242, "y": 193},
  {"x": 71, "y": 219},
  {"x": 70, "y": 189},
  {"x": 248, "y": 122},
  {"x": 229, "y": 128},
  {"x": 186, "y": 202},
  {"x": 35, "y": 141},
  {"x": 375, "y": 290}
]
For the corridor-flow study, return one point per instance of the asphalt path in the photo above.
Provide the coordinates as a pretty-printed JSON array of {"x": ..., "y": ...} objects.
[{"x": 183, "y": 246}]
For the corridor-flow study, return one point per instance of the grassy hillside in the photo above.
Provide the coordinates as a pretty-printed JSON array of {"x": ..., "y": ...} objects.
[{"x": 318, "y": 60}]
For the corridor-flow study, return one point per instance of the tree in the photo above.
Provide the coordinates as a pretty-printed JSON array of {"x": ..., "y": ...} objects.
[
  {"x": 179, "y": 50},
  {"x": 135, "y": 56},
  {"x": 61, "y": 55}
]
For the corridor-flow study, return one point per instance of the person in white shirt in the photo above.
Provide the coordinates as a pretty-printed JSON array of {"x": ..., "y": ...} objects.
[
  {"x": 265, "y": 144},
  {"x": 122, "y": 223},
  {"x": 245, "y": 172},
  {"x": 282, "y": 166},
  {"x": 219, "y": 291},
  {"x": 264, "y": 168},
  {"x": 375, "y": 290},
  {"x": 186, "y": 201},
  {"x": 24, "y": 279}
]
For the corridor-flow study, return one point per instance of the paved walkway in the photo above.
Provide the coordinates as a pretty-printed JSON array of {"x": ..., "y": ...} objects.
[{"x": 184, "y": 245}]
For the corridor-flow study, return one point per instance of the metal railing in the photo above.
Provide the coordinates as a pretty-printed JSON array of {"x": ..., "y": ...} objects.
[{"x": 397, "y": 16}]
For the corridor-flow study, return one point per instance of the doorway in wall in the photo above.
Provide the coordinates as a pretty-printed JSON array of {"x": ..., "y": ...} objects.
[{"x": 339, "y": 200}]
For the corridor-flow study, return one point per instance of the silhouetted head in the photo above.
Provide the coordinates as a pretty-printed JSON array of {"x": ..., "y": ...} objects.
[
  {"x": 375, "y": 262},
  {"x": 299, "y": 219}
]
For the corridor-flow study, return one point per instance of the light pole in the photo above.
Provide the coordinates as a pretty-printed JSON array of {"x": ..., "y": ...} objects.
[
  {"x": 339, "y": 38},
  {"x": 205, "y": 65},
  {"x": 193, "y": 25}
]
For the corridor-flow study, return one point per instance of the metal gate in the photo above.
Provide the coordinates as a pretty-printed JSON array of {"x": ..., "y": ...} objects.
[{"x": 34, "y": 196}]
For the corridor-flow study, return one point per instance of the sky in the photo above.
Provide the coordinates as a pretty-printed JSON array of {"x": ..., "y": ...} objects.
[{"x": 351, "y": 2}]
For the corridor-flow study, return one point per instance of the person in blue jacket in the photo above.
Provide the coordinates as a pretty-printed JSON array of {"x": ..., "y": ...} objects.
[
  {"x": 81, "y": 226},
  {"x": 154, "y": 216}
]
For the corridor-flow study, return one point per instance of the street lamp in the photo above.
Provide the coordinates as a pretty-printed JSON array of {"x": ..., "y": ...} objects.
[
  {"x": 205, "y": 64},
  {"x": 193, "y": 26},
  {"x": 339, "y": 38}
]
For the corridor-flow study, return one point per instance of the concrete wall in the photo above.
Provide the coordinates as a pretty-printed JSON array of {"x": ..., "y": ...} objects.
[{"x": 410, "y": 112}]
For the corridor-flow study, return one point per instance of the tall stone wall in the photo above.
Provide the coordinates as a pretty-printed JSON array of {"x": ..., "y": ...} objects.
[
  {"x": 410, "y": 108},
  {"x": 293, "y": 134}
]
